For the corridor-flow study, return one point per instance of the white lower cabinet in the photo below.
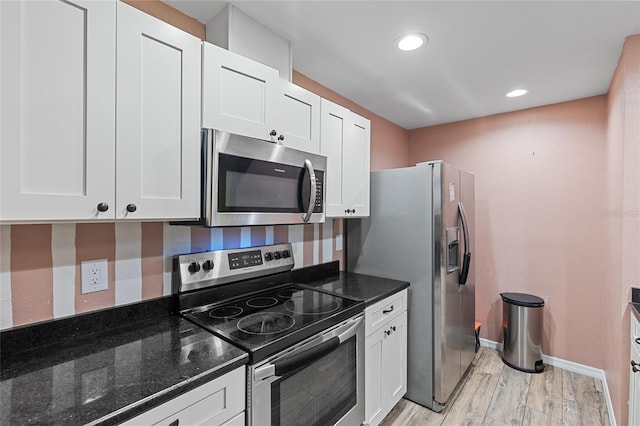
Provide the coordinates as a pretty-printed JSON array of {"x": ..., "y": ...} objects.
[
  {"x": 219, "y": 402},
  {"x": 634, "y": 373},
  {"x": 385, "y": 356}
]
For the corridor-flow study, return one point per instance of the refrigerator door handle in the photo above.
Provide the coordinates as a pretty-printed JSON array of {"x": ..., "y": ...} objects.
[{"x": 466, "y": 261}]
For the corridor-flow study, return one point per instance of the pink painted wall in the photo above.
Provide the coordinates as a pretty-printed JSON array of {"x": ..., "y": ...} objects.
[
  {"x": 539, "y": 228},
  {"x": 389, "y": 142},
  {"x": 622, "y": 218}
]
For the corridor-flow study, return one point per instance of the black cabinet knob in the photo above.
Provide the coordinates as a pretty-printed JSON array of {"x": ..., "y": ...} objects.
[
  {"x": 103, "y": 207},
  {"x": 387, "y": 332},
  {"x": 194, "y": 267},
  {"x": 281, "y": 138},
  {"x": 131, "y": 208},
  {"x": 273, "y": 132},
  {"x": 393, "y": 328},
  {"x": 207, "y": 265}
]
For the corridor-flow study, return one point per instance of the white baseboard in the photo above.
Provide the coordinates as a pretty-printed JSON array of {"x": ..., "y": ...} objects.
[{"x": 574, "y": 367}]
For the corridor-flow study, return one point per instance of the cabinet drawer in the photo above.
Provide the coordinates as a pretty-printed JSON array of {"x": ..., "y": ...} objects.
[
  {"x": 385, "y": 310},
  {"x": 212, "y": 403}
]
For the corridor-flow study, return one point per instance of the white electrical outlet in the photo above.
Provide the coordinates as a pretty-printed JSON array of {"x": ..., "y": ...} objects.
[{"x": 94, "y": 275}]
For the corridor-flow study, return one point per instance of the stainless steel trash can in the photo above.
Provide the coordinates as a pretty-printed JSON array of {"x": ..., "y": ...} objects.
[{"x": 522, "y": 327}]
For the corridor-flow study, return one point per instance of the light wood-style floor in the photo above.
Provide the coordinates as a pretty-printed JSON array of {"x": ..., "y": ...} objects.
[{"x": 495, "y": 394}]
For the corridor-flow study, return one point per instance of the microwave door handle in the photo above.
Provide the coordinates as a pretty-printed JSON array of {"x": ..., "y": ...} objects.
[
  {"x": 312, "y": 196},
  {"x": 466, "y": 261}
]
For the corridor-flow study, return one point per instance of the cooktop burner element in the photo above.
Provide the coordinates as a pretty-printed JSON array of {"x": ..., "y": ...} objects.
[
  {"x": 225, "y": 312},
  {"x": 323, "y": 305},
  {"x": 248, "y": 299},
  {"x": 266, "y": 323},
  {"x": 262, "y": 302}
]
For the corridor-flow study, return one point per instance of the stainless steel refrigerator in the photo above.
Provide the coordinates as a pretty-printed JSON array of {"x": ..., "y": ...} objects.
[{"x": 421, "y": 230}]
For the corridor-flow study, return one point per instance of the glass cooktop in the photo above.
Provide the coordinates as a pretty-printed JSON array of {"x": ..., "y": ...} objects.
[{"x": 266, "y": 322}]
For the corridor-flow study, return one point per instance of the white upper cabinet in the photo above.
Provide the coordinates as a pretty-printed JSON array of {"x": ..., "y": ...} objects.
[
  {"x": 298, "y": 118},
  {"x": 357, "y": 165},
  {"x": 345, "y": 141},
  {"x": 158, "y": 118},
  {"x": 60, "y": 136},
  {"x": 57, "y": 137},
  {"x": 239, "y": 95},
  {"x": 242, "y": 96}
]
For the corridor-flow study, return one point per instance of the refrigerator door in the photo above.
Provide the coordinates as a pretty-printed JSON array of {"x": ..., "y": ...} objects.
[
  {"x": 468, "y": 298},
  {"x": 396, "y": 242},
  {"x": 446, "y": 292}
]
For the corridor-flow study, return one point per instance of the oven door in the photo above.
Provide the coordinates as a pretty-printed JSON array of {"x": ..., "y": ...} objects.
[
  {"x": 254, "y": 182},
  {"x": 318, "y": 382}
]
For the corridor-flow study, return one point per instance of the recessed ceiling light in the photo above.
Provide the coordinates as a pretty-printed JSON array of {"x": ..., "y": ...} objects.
[
  {"x": 515, "y": 93},
  {"x": 411, "y": 41}
]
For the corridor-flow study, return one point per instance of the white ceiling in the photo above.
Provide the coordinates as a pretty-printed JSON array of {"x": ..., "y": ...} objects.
[{"x": 478, "y": 50}]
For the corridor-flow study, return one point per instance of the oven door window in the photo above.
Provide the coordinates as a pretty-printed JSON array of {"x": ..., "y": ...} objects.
[
  {"x": 320, "y": 393},
  {"x": 249, "y": 185}
]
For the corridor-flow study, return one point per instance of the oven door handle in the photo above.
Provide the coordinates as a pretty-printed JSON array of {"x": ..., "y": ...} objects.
[
  {"x": 293, "y": 362},
  {"x": 300, "y": 359}
]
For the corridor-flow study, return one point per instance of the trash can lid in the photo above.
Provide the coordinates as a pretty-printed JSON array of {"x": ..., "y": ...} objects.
[{"x": 523, "y": 299}]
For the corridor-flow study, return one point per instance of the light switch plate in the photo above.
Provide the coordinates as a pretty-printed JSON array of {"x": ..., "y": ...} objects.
[{"x": 94, "y": 275}]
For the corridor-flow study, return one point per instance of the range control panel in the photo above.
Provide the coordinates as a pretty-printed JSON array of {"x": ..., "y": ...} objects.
[{"x": 206, "y": 269}]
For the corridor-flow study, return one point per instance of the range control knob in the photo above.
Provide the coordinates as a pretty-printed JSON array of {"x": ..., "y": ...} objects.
[
  {"x": 207, "y": 265},
  {"x": 268, "y": 256},
  {"x": 193, "y": 267},
  {"x": 286, "y": 254},
  {"x": 277, "y": 255}
]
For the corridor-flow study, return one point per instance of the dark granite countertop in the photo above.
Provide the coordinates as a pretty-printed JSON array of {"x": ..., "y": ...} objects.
[
  {"x": 109, "y": 375},
  {"x": 367, "y": 288}
]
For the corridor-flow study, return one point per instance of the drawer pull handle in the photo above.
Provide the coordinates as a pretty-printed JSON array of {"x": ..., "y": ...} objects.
[
  {"x": 637, "y": 340},
  {"x": 176, "y": 422},
  {"x": 386, "y": 311},
  {"x": 634, "y": 366}
]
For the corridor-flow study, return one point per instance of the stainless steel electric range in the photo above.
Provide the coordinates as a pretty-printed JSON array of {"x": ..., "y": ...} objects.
[{"x": 306, "y": 359}]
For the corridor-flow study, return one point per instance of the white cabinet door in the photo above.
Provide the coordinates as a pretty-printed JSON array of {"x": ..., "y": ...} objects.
[
  {"x": 385, "y": 356},
  {"x": 345, "y": 140},
  {"x": 356, "y": 165},
  {"x": 334, "y": 124},
  {"x": 298, "y": 118},
  {"x": 239, "y": 95},
  {"x": 374, "y": 400},
  {"x": 57, "y": 109},
  {"x": 158, "y": 118},
  {"x": 634, "y": 376},
  {"x": 395, "y": 362},
  {"x": 213, "y": 403}
]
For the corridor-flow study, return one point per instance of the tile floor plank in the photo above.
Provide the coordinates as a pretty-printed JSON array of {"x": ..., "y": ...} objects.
[
  {"x": 575, "y": 413},
  {"x": 473, "y": 400},
  {"x": 545, "y": 392},
  {"x": 536, "y": 418},
  {"x": 510, "y": 397},
  {"x": 555, "y": 397},
  {"x": 579, "y": 388}
]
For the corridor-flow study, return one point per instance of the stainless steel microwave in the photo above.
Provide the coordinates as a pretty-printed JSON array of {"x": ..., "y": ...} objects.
[{"x": 247, "y": 181}]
